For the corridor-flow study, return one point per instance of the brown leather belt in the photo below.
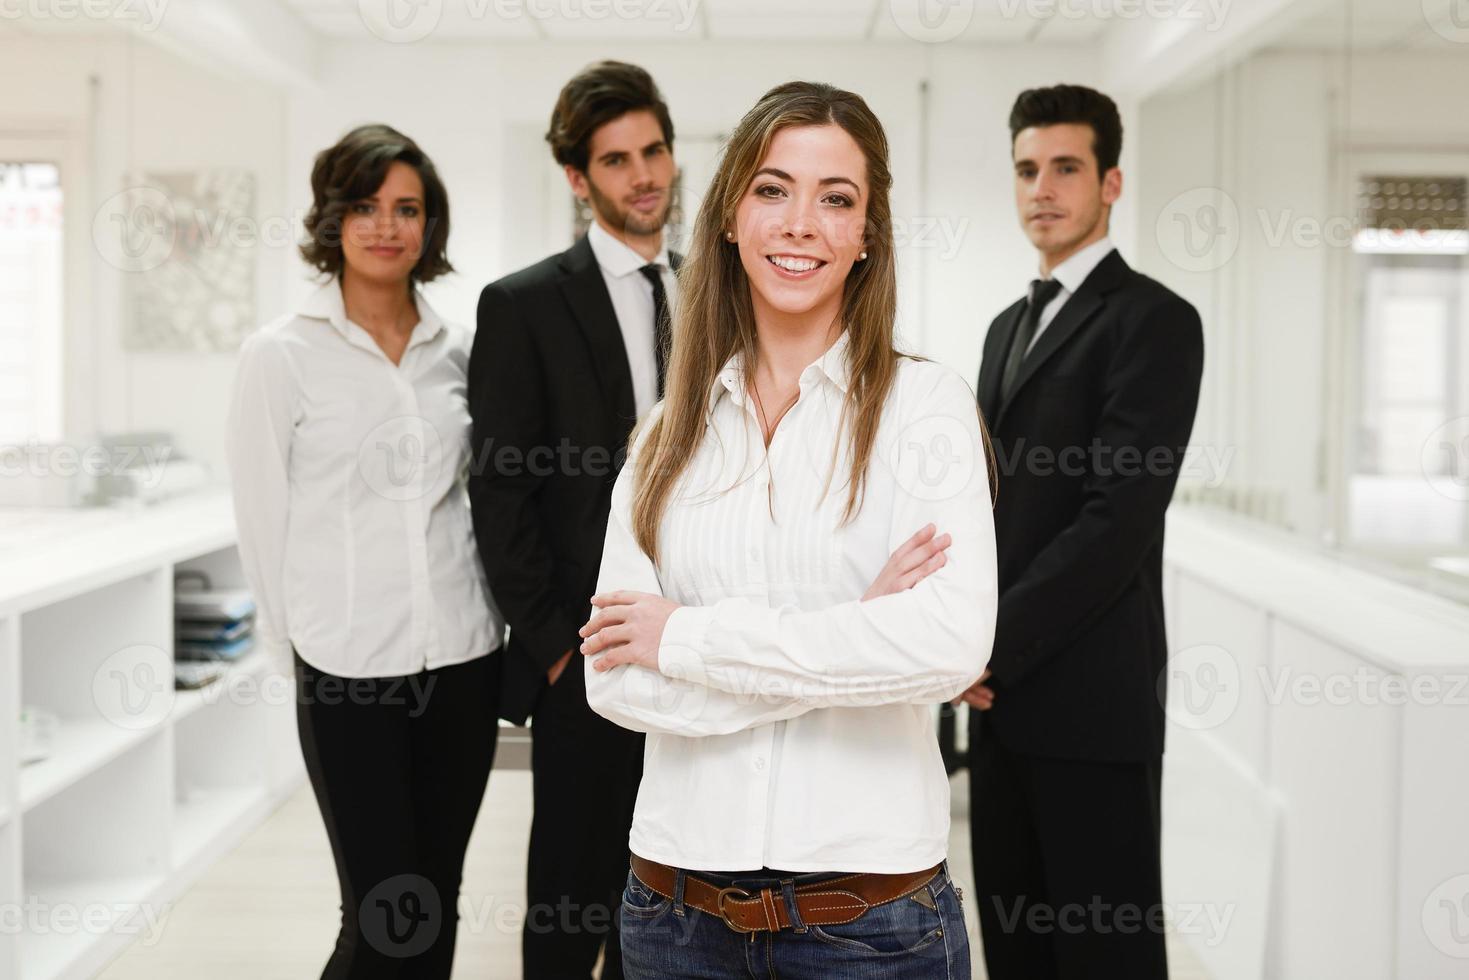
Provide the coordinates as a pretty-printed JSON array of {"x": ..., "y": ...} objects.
[{"x": 822, "y": 903}]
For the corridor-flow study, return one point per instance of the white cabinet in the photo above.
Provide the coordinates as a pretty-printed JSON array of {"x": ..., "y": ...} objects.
[
  {"x": 1316, "y": 784},
  {"x": 144, "y": 786}
]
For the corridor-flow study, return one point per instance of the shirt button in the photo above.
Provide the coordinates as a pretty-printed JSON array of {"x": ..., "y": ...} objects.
[
  {"x": 754, "y": 554},
  {"x": 760, "y": 764}
]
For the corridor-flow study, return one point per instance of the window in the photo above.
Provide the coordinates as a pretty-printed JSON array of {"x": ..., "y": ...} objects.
[{"x": 31, "y": 255}]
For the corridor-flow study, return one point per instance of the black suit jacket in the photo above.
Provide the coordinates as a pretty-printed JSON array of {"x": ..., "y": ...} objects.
[
  {"x": 551, "y": 399},
  {"x": 1088, "y": 448}
]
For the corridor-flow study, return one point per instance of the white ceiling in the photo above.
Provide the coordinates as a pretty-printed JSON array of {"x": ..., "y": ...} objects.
[
  {"x": 993, "y": 21},
  {"x": 1368, "y": 25}
]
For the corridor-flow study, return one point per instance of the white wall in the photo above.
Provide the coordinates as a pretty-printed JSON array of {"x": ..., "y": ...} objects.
[
  {"x": 125, "y": 107},
  {"x": 1270, "y": 140}
]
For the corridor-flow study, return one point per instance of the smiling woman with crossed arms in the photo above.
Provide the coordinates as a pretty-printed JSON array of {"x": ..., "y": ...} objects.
[{"x": 793, "y": 817}]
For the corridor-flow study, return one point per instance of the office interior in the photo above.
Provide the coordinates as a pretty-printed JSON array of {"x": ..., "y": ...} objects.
[{"x": 1297, "y": 169}]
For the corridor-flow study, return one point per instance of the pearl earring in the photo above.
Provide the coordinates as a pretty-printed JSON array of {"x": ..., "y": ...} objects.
[
  {"x": 729, "y": 236},
  {"x": 862, "y": 257}
]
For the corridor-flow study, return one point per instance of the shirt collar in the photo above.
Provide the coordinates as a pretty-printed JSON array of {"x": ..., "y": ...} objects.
[
  {"x": 832, "y": 365},
  {"x": 617, "y": 258},
  {"x": 1073, "y": 272},
  {"x": 326, "y": 304}
]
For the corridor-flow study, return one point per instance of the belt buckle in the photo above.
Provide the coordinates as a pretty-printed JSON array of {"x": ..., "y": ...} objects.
[{"x": 719, "y": 904}]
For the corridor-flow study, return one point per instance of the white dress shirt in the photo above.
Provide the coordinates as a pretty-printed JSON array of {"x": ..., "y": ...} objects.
[
  {"x": 632, "y": 301},
  {"x": 790, "y": 724},
  {"x": 1071, "y": 274},
  {"x": 350, "y": 498}
]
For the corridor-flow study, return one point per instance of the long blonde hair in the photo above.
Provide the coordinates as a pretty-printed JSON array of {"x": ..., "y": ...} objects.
[{"x": 716, "y": 319}]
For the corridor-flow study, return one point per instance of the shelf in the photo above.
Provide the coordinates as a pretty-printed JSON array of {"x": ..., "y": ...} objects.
[
  {"x": 185, "y": 703},
  {"x": 79, "y": 917},
  {"x": 209, "y": 821},
  {"x": 145, "y": 786},
  {"x": 88, "y": 549},
  {"x": 80, "y": 749}
]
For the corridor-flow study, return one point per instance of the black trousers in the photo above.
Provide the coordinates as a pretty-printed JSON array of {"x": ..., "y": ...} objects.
[
  {"x": 399, "y": 766},
  {"x": 1067, "y": 865},
  {"x": 585, "y": 773}
]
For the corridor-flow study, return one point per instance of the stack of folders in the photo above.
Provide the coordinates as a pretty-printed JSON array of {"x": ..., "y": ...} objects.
[{"x": 212, "y": 629}]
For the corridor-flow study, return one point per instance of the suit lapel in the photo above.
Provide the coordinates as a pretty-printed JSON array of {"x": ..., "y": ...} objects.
[
  {"x": 586, "y": 294},
  {"x": 1080, "y": 308},
  {"x": 997, "y": 342}
]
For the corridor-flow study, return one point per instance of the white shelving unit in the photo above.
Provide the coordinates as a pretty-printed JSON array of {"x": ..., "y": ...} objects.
[{"x": 145, "y": 787}]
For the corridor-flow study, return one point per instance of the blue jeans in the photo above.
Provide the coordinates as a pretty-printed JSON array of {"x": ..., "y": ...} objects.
[{"x": 901, "y": 940}]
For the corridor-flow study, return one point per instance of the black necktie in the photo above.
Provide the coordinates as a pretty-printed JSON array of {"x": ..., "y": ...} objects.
[
  {"x": 661, "y": 328},
  {"x": 1042, "y": 291}
]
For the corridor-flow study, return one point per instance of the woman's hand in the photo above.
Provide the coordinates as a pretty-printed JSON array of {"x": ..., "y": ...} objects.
[
  {"x": 915, "y": 560},
  {"x": 626, "y": 629}
]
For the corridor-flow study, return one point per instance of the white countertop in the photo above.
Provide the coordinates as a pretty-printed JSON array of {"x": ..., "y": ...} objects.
[
  {"x": 1387, "y": 623},
  {"x": 51, "y": 554}
]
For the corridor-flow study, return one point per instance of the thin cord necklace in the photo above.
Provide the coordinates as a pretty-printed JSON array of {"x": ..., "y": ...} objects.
[{"x": 760, "y": 405}]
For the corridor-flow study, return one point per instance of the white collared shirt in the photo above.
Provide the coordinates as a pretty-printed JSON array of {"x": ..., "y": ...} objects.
[
  {"x": 350, "y": 495},
  {"x": 1071, "y": 274},
  {"x": 632, "y": 301},
  {"x": 790, "y": 725}
]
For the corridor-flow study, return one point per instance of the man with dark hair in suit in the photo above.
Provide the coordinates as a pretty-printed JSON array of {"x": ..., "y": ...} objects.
[
  {"x": 1089, "y": 386},
  {"x": 568, "y": 355}
]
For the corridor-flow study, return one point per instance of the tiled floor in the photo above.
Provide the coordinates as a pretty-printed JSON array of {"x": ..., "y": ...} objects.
[{"x": 268, "y": 910}]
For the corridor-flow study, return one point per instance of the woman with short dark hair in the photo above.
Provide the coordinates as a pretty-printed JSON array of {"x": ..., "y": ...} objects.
[{"x": 348, "y": 449}]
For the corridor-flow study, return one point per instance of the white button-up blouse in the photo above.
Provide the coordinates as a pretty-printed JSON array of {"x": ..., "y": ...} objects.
[
  {"x": 349, "y": 477},
  {"x": 790, "y": 723}
]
